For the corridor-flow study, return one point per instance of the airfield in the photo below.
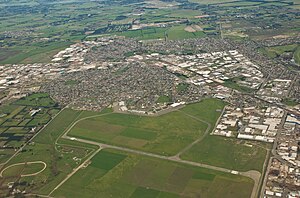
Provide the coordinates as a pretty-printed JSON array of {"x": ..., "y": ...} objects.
[{"x": 126, "y": 155}]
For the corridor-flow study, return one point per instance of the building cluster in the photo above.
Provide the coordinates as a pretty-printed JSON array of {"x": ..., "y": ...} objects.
[
  {"x": 203, "y": 72},
  {"x": 209, "y": 60},
  {"x": 106, "y": 60},
  {"x": 73, "y": 54},
  {"x": 282, "y": 181},
  {"x": 16, "y": 34},
  {"x": 80, "y": 53},
  {"x": 158, "y": 108},
  {"x": 250, "y": 123},
  {"x": 283, "y": 175},
  {"x": 136, "y": 83},
  {"x": 275, "y": 90},
  {"x": 115, "y": 48},
  {"x": 20, "y": 79}
]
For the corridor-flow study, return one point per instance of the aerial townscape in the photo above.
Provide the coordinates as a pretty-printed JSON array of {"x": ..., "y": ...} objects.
[{"x": 150, "y": 98}]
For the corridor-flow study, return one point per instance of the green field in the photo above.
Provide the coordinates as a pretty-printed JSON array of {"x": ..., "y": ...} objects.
[
  {"x": 166, "y": 134},
  {"x": 208, "y": 110},
  {"x": 276, "y": 51},
  {"x": 145, "y": 133},
  {"x": 36, "y": 99},
  {"x": 164, "y": 99},
  {"x": 233, "y": 84},
  {"x": 72, "y": 82},
  {"x": 297, "y": 55},
  {"x": 219, "y": 151},
  {"x": 6, "y": 53},
  {"x": 171, "y": 33},
  {"x": 181, "y": 87},
  {"x": 34, "y": 31},
  {"x": 289, "y": 102},
  {"x": 115, "y": 174},
  {"x": 35, "y": 54},
  {"x": 228, "y": 153}
]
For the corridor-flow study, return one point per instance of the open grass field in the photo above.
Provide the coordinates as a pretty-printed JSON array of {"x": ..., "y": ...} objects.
[
  {"x": 120, "y": 174},
  {"x": 171, "y": 33},
  {"x": 34, "y": 54},
  {"x": 145, "y": 133},
  {"x": 297, "y": 55},
  {"x": 276, "y": 51},
  {"x": 166, "y": 134},
  {"x": 208, "y": 110},
  {"x": 228, "y": 153},
  {"x": 181, "y": 87},
  {"x": 31, "y": 32},
  {"x": 164, "y": 99},
  {"x": 36, "y": 99},
  {"x": 5, "y": 53},
  {"x": 115, "y": 174},
  {"x": 289, "y": 102},
  {"x": 178, "y": 32},
  {"x": 231, "y": 83},
  {"x": 219, "y": 151}
]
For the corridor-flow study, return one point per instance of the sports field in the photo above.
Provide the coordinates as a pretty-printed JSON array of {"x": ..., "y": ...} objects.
[
  {"x": 115, "y": 174},
  {"x": 166, "y": 134}
]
